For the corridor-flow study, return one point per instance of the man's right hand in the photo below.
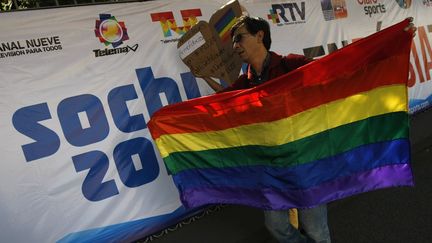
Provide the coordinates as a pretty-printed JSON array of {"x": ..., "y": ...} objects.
[{"x": 213, "y": 84}]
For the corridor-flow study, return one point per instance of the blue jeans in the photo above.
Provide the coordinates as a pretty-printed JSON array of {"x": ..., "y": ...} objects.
[{"x": 312, "y": 220}]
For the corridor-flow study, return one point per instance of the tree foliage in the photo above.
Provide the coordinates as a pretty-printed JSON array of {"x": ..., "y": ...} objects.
[
  {"x": 8, "y": 5},
  {"x": 11, "y": 5}
]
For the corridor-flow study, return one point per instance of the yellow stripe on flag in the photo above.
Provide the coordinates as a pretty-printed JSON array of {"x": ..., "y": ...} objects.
[{"x": 357, "y": 107}]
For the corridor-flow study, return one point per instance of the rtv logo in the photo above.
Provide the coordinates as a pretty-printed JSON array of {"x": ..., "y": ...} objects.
[{"x": 288, "y": 13}]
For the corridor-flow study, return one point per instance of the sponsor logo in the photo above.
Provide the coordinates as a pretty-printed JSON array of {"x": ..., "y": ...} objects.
[
  {"x": 109, "y": 31},
  {"x": 334, "y": 9},
  {"x": 169, "y": 24},
  {"x": 317, "y": 51},
  {"x": 404, "y": 3},
  {"x": 30, "y": 46},
  {"x": 372, "y": 7},
  {"x": 288, "y": 13},
  {"x": 83, "y": 123},
  {"x": 427, "y": 3}
]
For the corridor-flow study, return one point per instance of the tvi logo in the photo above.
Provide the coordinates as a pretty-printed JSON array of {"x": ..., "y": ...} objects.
[
  {"x": 168, "y": 23},
  {"x": 290, "y": 13}
]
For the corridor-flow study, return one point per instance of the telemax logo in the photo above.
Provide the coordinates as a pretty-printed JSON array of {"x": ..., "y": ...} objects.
[
  {"x": 169, "y": 24},
  {"x": 109, "y": 31},
  {"x": 334, "y": 9},
  {"x": 288, "y": 13}
]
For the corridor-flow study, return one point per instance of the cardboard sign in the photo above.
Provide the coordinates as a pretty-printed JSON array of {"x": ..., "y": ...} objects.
[{"x": 207, "y": 49}]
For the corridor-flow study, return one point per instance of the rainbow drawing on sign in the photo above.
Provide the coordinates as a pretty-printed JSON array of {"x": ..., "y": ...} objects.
[{"x": 224, "y": 25}]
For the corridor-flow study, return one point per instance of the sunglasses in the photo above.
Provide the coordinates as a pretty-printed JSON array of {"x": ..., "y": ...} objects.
[{"x": 237, "y": 38}]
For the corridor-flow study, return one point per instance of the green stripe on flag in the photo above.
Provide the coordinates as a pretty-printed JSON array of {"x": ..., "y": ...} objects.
[{"x": 331, "y": 142}]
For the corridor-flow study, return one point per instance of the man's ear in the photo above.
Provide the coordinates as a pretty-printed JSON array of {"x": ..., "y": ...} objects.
[{"x": 260, "y": 35}]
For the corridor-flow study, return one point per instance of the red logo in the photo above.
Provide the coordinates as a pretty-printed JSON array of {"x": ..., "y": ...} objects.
[{"x": 168, "y": 23}]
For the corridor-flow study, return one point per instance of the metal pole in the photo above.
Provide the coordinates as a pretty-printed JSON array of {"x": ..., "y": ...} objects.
[{"x": 15, "y": 4}]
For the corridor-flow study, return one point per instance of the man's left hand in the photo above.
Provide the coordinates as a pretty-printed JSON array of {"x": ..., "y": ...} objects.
[{"x": 410, "y": 27}]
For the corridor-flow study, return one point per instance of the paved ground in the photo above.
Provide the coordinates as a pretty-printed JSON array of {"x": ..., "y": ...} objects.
[{"x": 395, "y": 215}]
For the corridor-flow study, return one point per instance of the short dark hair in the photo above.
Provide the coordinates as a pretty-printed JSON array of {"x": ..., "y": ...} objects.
[{"x": 253, "y": 25}]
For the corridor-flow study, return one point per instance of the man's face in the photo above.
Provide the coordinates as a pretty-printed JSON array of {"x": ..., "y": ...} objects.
[{"x": 244, "y": 43}]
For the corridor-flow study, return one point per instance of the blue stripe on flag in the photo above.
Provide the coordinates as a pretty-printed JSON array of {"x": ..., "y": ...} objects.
[{"x": 307, "y": 175}]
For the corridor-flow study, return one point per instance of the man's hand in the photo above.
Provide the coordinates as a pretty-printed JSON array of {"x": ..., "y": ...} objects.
[
  {"x": 211, "y": 82},
  {"x": 410, "y": 27}
]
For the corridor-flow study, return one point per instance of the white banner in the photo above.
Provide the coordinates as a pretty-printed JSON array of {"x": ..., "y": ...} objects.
[{"x": 79, "y": 84}]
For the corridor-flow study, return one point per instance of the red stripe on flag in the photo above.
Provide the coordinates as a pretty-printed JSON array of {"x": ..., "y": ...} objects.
[{"x": 330, "y": 78}]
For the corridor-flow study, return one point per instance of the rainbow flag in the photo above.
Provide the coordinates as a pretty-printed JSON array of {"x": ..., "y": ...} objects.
[
  {"x": 224, "y": 25},
  {"x": 328, "y": 130}
]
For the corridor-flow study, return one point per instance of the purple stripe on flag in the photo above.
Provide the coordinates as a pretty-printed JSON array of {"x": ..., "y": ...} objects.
[{"x": 270, "y": 198}]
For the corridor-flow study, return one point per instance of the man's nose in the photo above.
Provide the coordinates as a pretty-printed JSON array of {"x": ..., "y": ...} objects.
[{"x": 235, "y": 45}]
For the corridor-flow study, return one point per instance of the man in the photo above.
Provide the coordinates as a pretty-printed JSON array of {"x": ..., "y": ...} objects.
[{"x": 251, "y": 41}]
